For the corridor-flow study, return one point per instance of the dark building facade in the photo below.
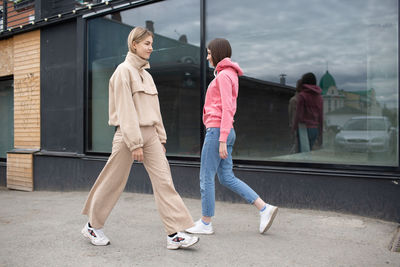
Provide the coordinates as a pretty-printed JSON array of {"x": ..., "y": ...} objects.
[{"x": 355, "y": 170}]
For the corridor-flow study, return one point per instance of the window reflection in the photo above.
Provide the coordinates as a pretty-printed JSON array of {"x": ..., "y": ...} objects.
[
  {"x": 370, "y": 134},
  {"x": 352, "y": 48},
  {"x": 174, "y": 66}
]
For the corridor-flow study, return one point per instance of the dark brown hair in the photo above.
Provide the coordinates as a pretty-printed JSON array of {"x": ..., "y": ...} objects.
[
  {"x": 220, "y": 49},
  {"x": 309, "y": 78}
]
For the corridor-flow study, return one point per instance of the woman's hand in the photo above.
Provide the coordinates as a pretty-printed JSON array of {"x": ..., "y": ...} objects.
[
  {"x": 223, "y": 151},
  {"x": 137, "y": 154}
]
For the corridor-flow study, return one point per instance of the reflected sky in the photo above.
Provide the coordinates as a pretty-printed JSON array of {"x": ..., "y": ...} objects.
[
  {"x": 171, "y": 18},
  {"x": 357, "y": 40}
]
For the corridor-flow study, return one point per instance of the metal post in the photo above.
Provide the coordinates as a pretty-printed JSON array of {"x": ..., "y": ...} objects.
[{"x": 203, "y": 68}]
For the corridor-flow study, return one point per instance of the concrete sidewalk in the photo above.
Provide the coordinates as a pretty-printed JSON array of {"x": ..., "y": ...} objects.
[{"x": 43, "y": 229}]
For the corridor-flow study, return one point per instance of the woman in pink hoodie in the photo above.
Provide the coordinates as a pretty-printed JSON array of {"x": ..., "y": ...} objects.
[{"x": 216, "y": 156}]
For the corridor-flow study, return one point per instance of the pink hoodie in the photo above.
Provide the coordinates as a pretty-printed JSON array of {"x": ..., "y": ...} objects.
[{"x": 220, "y": 104}]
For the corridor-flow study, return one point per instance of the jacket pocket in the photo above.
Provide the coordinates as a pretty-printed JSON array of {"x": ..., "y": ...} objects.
[{"x": 143, "y": 88}]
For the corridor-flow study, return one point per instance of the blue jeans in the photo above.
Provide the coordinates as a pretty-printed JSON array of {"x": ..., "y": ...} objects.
[
  {"x": 312, "y": 136},
  {"x": 306, "y": 137},
  {"x": 212, "y": 164}
]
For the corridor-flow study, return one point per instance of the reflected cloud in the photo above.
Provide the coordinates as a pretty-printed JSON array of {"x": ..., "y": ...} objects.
[
  {"x": 163, "y": 24},
  {"x": 356, "y": 41}
]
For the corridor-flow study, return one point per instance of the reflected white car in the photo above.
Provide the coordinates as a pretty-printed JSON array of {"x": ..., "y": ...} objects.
[{"x": 371, "y": 134}]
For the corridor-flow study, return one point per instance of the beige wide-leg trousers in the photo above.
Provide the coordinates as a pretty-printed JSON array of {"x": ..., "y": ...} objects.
[{"x": 112, "y": 180}]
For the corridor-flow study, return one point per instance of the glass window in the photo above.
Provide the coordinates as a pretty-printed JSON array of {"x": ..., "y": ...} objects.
[
  {"x": 7, "y": 117},
  {"x": 174, "y": 64},
  {"x": 350, "y": 46}
]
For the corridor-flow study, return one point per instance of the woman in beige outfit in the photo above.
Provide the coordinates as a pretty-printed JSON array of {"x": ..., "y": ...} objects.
[{"x": 134, "y": 110}]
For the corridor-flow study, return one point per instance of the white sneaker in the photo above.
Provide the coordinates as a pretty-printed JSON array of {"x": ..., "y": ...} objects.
[
  {"x": 267, "y": 217},
  {"x": 96, "y": 236},
  {"x": 200, "y": 228},
  {"x": 181, "y": 240}
]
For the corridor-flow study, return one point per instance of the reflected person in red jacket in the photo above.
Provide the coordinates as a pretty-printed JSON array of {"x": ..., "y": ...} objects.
[{"x": 309, "y": 113}]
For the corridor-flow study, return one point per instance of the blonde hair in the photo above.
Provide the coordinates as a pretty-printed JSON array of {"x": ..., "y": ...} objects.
[{"x": 137, "y": 35}]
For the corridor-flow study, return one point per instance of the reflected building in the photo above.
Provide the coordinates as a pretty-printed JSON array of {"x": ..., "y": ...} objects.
[
  {"x": 342, "y": 105},
  {"x": 176, "y": 70},
  {"x": 333, "y": 98},
  {"x": 364, "y": 100}
]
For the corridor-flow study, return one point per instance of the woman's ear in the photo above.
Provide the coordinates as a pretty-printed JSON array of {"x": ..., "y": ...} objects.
[{"x": 133, "y": 46}]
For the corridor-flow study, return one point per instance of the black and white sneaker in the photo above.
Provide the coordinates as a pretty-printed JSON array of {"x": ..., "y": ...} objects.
[
  {"x": 96, "y": 236},
  {"x": 181, "y": 240}
]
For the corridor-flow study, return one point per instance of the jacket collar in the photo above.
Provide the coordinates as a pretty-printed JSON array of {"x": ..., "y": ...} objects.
[{"x": 136, "y": 61}]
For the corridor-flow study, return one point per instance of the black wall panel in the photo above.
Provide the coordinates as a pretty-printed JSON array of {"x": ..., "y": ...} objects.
[
  {"x": 379, "y": 198},
  {"x": 61, "y": 99},
  {"x": 48, "y": 8},
  {"x": 3, "y": 176}
]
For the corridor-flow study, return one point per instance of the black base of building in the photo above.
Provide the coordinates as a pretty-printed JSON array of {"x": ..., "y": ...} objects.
[
  {"x": 371, "y": 197},
  {"x": 3, "y": 174}
]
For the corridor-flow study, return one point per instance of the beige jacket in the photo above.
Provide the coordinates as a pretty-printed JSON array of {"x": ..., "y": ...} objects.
[{"x": 133, "y": 101}]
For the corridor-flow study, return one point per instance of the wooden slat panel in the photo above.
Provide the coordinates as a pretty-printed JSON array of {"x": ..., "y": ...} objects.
[
  {"x": 22, "y": 188},
  {"x": 25, "y": 184},
  {"x": 6, "y": 57},
  {"x": 27, "y": 90},
  {"x": 19, "y": 156},
  {"x": 20, "y": 164},
  {"x": 20, "y": 171},
  {"x": 22, "y": 145},
  {"x": 31, "y": 141}
]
